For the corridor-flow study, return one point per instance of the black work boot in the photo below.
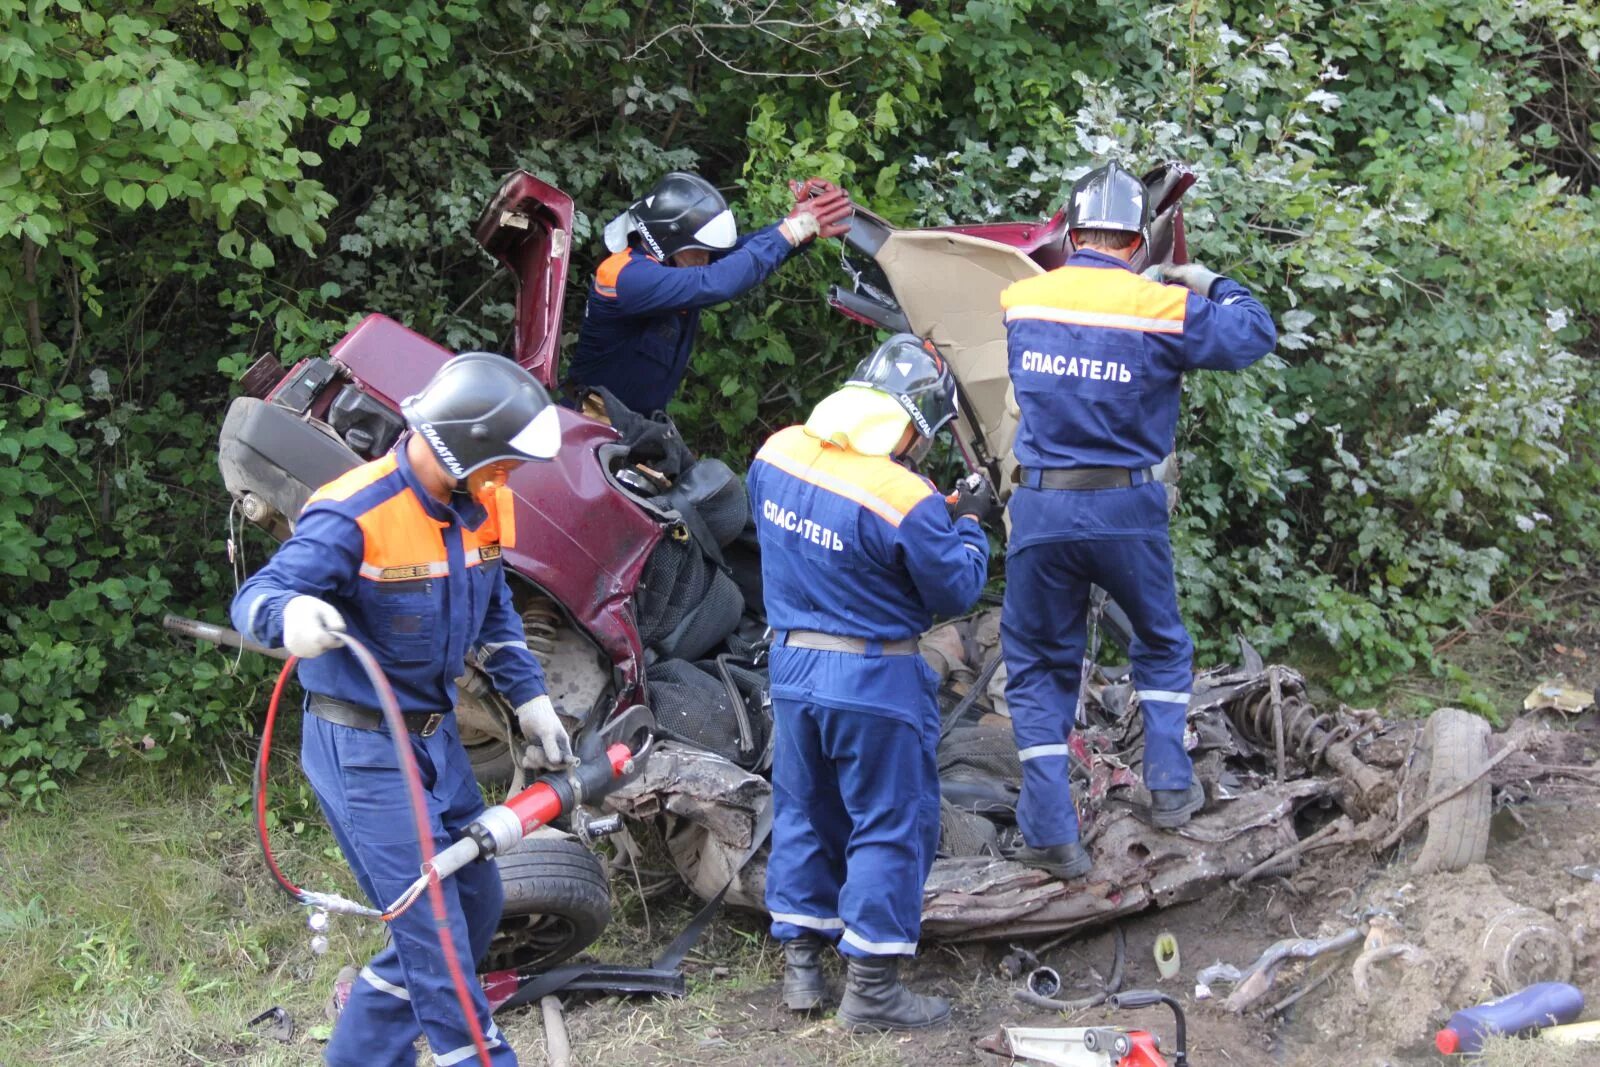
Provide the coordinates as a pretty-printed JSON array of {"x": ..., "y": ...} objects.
[
  {"x": 1066, "y": 861},
  {"x": 1171, "y": 808},
  {"x": 803, "y": 987},
  {"x": 874, "y": 999}
]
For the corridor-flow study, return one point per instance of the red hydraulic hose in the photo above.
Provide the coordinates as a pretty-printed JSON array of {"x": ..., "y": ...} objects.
[{"x": 419, "y": 811}]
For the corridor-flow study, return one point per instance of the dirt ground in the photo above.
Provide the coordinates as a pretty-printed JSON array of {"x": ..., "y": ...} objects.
[{"x": 733, "y": 1016}]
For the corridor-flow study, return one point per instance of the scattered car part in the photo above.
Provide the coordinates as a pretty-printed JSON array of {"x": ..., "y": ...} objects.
[
  {"x": 1456, "y": 743},
  {"x": 1166, "y": 955},
  {"x": 275, "y": 1023},
  {"x": 1043, "y": 983},
  {"x": 1252, "y": 983}
]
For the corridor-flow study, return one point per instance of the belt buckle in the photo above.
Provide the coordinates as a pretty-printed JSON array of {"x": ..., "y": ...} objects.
[{"x": 431, "y": 726}]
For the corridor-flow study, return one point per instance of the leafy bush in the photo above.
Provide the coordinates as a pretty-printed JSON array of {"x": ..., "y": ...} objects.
[{"x": 185, "y": 186}]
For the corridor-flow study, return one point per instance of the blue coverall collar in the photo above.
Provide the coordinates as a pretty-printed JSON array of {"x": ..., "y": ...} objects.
[
  {"x": 462, "y": 508},
  {"x": 1088, "y": 257}
]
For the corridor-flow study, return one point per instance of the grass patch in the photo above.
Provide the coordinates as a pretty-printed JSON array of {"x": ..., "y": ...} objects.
[
  {"x": 139, "y": 926},
  {"x": 1509, "y": 1052}
]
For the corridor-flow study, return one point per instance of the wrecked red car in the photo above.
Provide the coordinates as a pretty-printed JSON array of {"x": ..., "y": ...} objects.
[{"x": 634, "y": 570}]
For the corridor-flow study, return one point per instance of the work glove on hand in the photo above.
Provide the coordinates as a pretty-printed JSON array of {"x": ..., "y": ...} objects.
[
  {"x": 1192, "y": 275},
  {"x": 821, "y": 209},
  {"x": 311, "y": 627},
  {"x": 539, "y": 724},
  {"x": 974, "y": 495}
]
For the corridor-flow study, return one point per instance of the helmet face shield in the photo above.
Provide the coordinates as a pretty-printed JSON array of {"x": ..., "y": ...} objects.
[
  {"x": 541, "y": 437},
  {"x": 718, "y": 235},
  {"x": 918, "y": 379},
  {"x": 682, "y": 212},
  {"x": 480, "y": 408}
]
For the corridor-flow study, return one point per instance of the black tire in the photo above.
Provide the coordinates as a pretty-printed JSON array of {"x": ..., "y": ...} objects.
[
  {"x": 1458, "y": 830},
  {"x": 557, "y": 903},
  {"x": 492, "y": 764}
]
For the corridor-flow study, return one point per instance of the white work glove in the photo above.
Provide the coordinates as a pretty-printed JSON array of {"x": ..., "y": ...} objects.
[
  {"x": 311, "y": 626},
  {"x": 539, "y": 724},
  {"x": 1191, "y": 275}
]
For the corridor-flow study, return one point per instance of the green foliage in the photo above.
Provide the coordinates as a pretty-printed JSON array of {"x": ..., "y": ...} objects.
[{"x": 186, "y": 185}]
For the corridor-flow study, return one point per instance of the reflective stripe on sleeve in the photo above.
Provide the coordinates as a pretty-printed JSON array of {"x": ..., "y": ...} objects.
[
  {"x": 251, "y": 620},
  {"x": 1165, "y": 696},
  {"x": 1036, "y": 751},
  {"x": 490, "y": 648}
]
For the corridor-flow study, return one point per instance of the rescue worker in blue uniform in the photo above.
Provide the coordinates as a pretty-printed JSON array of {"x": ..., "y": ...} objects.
[
  {"x": 1097, "y": 355},
  {"x": 858, "y": 554},
  {"x": 674, "y": 253},
  {"x": 404, "y": 553}
]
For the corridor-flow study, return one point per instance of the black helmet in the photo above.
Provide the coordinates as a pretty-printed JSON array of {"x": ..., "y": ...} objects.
[
  {"x": 683, "y": 211},
  {"x": 481, "y": 407},
  {"x": 1109, "y": 198},
  {"x": 912, "y": 371}
]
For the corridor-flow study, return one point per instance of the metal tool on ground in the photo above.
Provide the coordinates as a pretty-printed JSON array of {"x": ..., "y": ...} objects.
[
  {"x": 1523, "y": 1012},
  {"x": 1087, "y": 1046},
  {"x": 1149, "y": 998}
]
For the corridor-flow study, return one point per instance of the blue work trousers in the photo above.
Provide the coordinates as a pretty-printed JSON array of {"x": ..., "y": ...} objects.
[
  {"x": 855, "y": 825},
  {"x": 1043, "y": 633},
  {"x": 406, "y": 989}
]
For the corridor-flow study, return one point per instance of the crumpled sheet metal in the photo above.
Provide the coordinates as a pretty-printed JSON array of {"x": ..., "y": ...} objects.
[
  {"x": 713, "y": 815},
  {"x": 976, "y": 899}
]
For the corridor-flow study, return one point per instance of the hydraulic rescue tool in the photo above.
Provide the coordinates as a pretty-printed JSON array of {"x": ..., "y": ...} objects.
[
  {"x": 1090, "y": 1046},
  {"x": 604, "y": 757}
]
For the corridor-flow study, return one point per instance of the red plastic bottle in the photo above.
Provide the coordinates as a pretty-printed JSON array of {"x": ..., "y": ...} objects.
[{"x": 1527, "y": 1010}]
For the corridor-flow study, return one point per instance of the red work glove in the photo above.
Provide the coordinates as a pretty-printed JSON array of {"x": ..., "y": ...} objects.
[
  {"x": 821, "y": 209},
  {"x": 805, "y": 190}
]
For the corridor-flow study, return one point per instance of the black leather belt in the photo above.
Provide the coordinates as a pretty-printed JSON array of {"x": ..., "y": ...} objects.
[
  {"x": 861, "y": 646},
  {"x": 1085, "y": 477},
  {"x": 344, "y": 713}
]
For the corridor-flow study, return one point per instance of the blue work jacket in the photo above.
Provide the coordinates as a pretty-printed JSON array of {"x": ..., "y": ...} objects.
[
  {"x": 856, "y": 546},
  {"x": 418, "y": 582},
  {"x": 642, "y": 316},
  {"x": 1097, "y": 354}
]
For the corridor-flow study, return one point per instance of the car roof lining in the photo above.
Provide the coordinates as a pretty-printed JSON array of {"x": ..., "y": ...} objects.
[{"x": 949, "y": 286}]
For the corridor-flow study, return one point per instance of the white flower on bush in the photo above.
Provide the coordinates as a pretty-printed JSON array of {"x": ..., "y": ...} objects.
[
  {"x": 1556, "y": 319},
  {"x": 866, "y": 16},
  {"x": 1332, "y": 73},
  {"x": 1325, "y": 100},
  {"x": 1526, "y": 523}
]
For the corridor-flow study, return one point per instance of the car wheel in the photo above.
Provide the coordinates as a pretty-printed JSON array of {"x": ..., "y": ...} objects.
[
  {"x": 1457, "y": 743},
  {"x": 557, "y": 902},
  {"x": 492, "y": 763}
]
